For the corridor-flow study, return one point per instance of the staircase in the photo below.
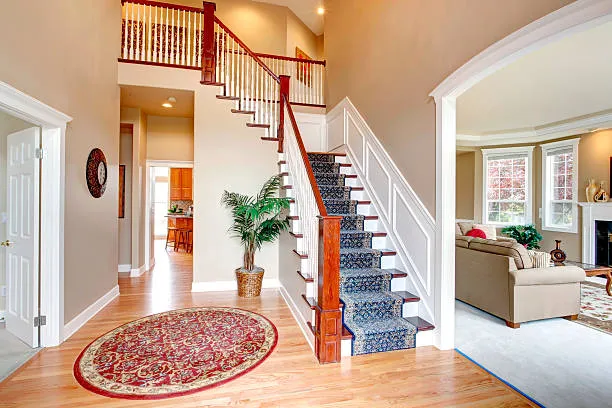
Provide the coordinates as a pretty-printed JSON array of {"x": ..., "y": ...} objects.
[
  {"x": 348, "y": 273},
  {"x": 372, "y": 314}
]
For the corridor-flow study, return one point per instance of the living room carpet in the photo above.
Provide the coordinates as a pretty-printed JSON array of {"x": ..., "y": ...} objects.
[
  {"x": 595, "y": 307},
  {"x": 175, "y": 353},
  {"x": 372, "y": 313}
]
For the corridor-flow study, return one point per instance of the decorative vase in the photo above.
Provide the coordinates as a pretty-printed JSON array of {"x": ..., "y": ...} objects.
[
  {"x": 591, "y": 189},
  {"x": 601, "y": 196},
  {"x": 249, "y": 282},
  {"x": 557, "y": 254}
]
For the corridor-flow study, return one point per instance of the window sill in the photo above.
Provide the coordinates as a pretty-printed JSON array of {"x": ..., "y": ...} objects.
[{"x": 571, "y": 230}]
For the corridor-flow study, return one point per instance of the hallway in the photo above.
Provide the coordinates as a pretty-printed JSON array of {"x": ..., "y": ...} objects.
[{"x": 290, "y": 377}]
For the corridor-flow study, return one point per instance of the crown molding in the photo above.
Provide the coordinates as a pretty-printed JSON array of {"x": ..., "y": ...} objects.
[{"x": 538, "y": 134}]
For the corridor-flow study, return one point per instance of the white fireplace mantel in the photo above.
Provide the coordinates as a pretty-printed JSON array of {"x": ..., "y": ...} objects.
[{"x": 592, "y": 212}]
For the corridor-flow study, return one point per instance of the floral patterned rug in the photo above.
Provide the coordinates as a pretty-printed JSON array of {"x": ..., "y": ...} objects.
[
  {"x": 595, "y": 307},
  {"x": 175, "y": 353}
]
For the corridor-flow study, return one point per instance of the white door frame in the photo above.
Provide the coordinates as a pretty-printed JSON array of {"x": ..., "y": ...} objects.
[
  {"x": 575, "y": 17},
  {"x": 149, "y": 233},
  {"x": 53, "y": 130}
]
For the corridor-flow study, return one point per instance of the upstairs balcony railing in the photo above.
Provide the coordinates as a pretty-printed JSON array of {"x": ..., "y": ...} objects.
[
  {"x": 185, "y": 37},
  {"x": 167, "y": 34}
]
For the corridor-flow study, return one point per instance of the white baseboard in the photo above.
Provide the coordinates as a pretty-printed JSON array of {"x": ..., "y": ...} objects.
[
  {"x": 134, "y": 273},
  {"x": 125, "y": 268},
  {"x": 75, "y": 324},
  {"x": 222, "y": 286},
  {"x": 295, "y": 311}
]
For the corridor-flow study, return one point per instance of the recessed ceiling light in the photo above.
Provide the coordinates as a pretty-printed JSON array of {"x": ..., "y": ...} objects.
[
  {"x": 169, "y": 102},
  {"x": 167, "y": 105},
  {"x": 320, "y": 11},
  {"x": 172, "y": 99}
]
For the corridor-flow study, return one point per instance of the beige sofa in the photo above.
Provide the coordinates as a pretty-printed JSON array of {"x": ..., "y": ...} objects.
[{"x": 497, "y": 276}]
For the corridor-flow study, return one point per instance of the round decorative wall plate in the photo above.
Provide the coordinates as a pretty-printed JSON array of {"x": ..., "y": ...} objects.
[{"x": 96, "y": 173}]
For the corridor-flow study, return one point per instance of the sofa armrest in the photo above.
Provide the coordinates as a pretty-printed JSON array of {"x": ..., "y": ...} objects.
[
  {"x": 507, "y": 239},
  {"x": 547, "y": 276}
]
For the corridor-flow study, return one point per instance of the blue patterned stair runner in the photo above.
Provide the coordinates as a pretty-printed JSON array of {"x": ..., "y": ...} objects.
[{"x": 372, "y": 313}]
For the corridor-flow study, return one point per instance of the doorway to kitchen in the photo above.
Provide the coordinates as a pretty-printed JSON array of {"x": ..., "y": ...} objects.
[{"x": 170, "y": 207}]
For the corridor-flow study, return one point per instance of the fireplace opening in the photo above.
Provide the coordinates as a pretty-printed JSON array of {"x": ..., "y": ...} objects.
[{"x": 603, "y": 243}]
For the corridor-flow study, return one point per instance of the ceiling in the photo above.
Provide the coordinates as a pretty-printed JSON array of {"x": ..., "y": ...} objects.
[
  {"x": 149, "y": 100},
  {"x": 306, "y": 10},
  {"x": 566, "y": 83}
]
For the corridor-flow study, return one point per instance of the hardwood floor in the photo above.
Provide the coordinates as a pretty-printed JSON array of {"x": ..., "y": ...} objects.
[{"x": 423, "y": 377}]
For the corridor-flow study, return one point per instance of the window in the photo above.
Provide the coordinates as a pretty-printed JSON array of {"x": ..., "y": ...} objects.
[
  {"x": 559, "y": 186},
  {"x": 507, "y": 185}
]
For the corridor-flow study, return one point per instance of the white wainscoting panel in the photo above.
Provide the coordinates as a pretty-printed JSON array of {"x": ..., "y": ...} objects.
[
  {"x": 313, "y": 131},
  {"x": 410, "y": 227}
]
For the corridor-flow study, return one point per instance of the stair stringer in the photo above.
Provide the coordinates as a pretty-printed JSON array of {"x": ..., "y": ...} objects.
[{"x": 409, "y": 226}]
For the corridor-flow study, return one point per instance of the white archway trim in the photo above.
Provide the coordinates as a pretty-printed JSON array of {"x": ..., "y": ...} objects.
[
  {"x": 578, "y": 16},
  {"x": 53, "y": 124}
]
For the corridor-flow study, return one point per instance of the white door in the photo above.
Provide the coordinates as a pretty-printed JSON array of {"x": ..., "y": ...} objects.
[{"x": 22, "y": 234}]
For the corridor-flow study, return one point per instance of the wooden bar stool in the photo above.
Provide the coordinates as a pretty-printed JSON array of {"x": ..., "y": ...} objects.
[
  {"x": 183, "y": 239},
  {"x": 172, "y": 230},
  {"x": 189, "y": 244}
]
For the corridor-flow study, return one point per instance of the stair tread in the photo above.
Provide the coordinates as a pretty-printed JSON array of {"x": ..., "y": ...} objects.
[
  {"x": 270, "y": 139},
  {"x": 229, "y": 98},
  {"x": 388, "y": 325},
  {"x": 293, "y": 217},
  {"x": 258, "y": 125},
  {"x": 310, "y": 301},
  {"x": 296, "y": 235},
  {"x": 421, "y": 324},
  {"x": 405, "y": 295},
  {"x": 281, "y": 162},
  {"x": 300, "y": 254},
  {"x": 243, "y": 112},
  {"x": 384, "y": 252},
  {"x": 329, "y": 153},
  {"x": 395, "y": 273},
  {"x": 306, "y": 279}
]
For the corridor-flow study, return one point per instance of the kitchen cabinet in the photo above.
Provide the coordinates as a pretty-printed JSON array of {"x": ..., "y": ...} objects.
[{"x": 181, "y": 184}]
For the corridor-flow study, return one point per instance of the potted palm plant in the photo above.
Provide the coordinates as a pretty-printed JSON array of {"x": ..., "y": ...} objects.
[{"x": 256, "y": 221}]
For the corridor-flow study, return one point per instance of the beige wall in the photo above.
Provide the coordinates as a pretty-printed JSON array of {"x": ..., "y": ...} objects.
[
  {"x": 64, "y": 53},
  {"x": 387, "y": 56},
  {"x": 125, "y": 224},
  {"x": 169, "y": 138},
  {"x": 594, "y": 152},
  {"x": 265, "y": 28},
  {"x": 465, "y": 185},
  {"x": 8, "y": 124}
]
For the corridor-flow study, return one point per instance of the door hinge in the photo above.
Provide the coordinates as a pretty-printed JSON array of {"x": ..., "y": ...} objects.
[
  {"x": 39, "y": 152},
  {"x": 40, "y": 321}
]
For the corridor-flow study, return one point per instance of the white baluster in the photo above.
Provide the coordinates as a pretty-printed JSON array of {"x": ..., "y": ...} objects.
[
  {"x": 132, "y": 32},
  {"x": 166, "y": 51},
  {"x": 149, "y": 32},
  {"x": 125, "y": 31}
]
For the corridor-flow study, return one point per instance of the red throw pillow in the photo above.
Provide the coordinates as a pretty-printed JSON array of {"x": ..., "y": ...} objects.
[{"x": 477, "y": 233}]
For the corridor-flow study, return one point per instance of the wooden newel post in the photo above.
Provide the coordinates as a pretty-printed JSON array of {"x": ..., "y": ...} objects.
[
  {"x": 208, "y": 43},
  {"x": 284, "y": 92},
  {"x": 328, "y": 333}
]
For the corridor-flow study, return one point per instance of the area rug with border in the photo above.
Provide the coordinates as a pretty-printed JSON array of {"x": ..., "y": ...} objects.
[
  {"x": 595, "y": 307},
  {"x": 175, "y": 353}
]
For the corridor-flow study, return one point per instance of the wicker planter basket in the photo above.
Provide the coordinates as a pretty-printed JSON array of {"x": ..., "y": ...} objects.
[{"x": 249, "y": 282}]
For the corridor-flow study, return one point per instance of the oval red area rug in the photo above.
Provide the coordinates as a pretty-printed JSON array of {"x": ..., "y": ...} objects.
[{"x": 175, "y": 353}]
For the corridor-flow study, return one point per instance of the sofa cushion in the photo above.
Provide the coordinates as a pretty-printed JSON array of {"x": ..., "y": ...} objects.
[
  {"x": 511, "y": 249},
  {"x": 462, "y": 241},
  {"x": 553, "y": 275},
  {"x": 476, "y": 233},
  {"x": 465, "y": 227},
  {"x": 489, "y": 230},
  {"x": 457, "y": 229}
]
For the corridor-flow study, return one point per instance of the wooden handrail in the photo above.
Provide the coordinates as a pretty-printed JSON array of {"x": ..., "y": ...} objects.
[
  {"x": 283, "y": 58},
  {"x": 162, "y": 4},
  {"x": 311, "y": 177},
  {"x": 247, "y": 49}
]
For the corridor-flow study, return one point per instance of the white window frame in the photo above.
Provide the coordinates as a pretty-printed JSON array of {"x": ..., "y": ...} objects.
[
  {"x": 508, "y": 152},
  {"x": 546, "y": 186}
]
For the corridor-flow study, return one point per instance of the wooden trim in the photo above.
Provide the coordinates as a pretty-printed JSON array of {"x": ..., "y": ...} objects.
[
  {"x": 158, "y": 64},
  {"x": 306, "y": 279},
  {"x": 300, "y": 255},
  {"x": 283, "y": 92},
  {"x": 313, "y": 105},
  {"x": 311, "y": 177},
  {"x": 420, "y": 324},
  {"x": 247, "y": 49},
  {"x": 209, "y": 65},
  {"x": 513, "y": 325},
  {"x": 126, "y": 127},
  {"x": 165, "y": 5},
  {"x": 258, "y": 125},
  {"x": 282, "y": 57},
  {"x": 328, "y": 330}
]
